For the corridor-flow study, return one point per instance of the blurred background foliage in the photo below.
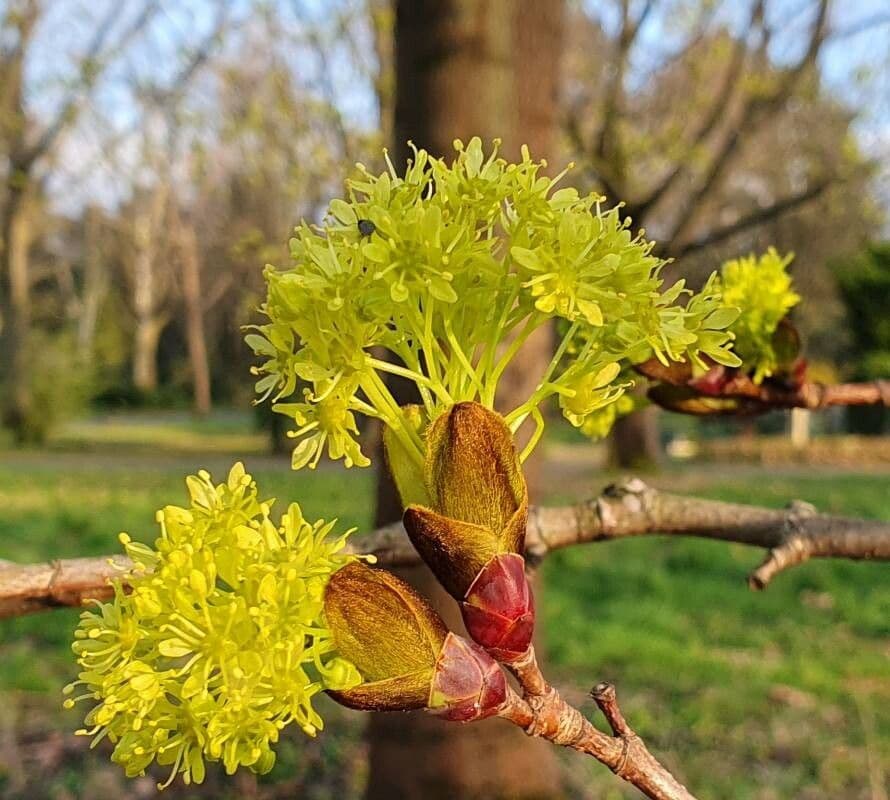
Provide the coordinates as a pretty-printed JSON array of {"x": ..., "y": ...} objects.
[{"x": 162, "y": 158}]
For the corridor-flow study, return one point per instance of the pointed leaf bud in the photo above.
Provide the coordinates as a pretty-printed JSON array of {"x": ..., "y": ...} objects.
[
  {"x": 389, "y": 632},
  {"x": 473, "y": 473},
  {"x": 406, "y": 474},
  {"x": 499, "y": 609},
  {"x": 455, "y": 551},
  {"x": 405, "y": 654},
  {"x": 467, "y": 684}
]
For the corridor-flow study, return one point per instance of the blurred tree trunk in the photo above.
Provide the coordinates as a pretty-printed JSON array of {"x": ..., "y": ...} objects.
[
  {"x": 95, "y": 284},
  {"x": 635, "y": 440},
  {"x": 464, "y": 68},
  {"x": 190, "y": 261},
  {"x": 15, "y": 227},
  {"x": 381, "y": 15},
  {"x": 150, "y": 319},
  {"x": 16, "y": 291},
  {"x": 145, "y": 352},
  {"x": 23, "y": 151}
]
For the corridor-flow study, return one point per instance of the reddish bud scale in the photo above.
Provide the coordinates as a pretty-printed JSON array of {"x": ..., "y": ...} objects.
[
  {"x": 714, "y": 381},
  {"x": 499, "y": 609},
  {"x": 467, "y": 683}
]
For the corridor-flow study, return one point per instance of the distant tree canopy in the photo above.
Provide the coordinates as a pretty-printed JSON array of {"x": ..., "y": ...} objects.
[
  {"x": 864, "y": 283},
  {"x": 718, "y": 148}
]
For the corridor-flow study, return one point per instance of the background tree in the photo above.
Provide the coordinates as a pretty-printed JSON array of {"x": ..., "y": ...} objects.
[
  {"x": 700, "y": 117},
  {"x": 864, "y": 281},
  {"x": 462, "y": 69},
  {"x": 27, "y": 141}
]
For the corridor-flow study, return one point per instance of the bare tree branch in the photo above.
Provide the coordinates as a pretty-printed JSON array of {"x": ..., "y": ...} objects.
[
  {"x": 90, "y": 68},
  {"x": 541, "y": 711},
  {"x": 607, "y": 146},
  {"x": 743, "y": 223},
  {"x": 756, "y": 398},
  {"x": 630, "y": 508},
  {"x": 755, "y": 110},
  {"x": 705, "y": 16},
  {"x": 860, "y": 26},
  {"x": 731, "y": 80}
]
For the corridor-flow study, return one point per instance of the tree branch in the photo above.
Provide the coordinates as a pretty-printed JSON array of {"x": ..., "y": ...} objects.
[
  {"x": 542, "y": 712},
  {"x": 731, "y": 79},
  {"x": 755, "y": 109},
  {"x": 756, "y": 398},
  {"x": 608, "y": 150},
  {"x": 755, "y": 218},
  {"x": 90, "y": 70},
  {"x": 629, "y": 508}
]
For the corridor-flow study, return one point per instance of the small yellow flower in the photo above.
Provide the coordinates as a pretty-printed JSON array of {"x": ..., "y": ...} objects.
[
  {"x": 325, "y": 422},
  {"x": 761, "y": 289}
]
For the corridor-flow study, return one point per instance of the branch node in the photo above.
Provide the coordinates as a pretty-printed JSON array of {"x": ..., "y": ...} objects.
[
  {"x": 801, "y": 509},
  {"x": 54, "y": 576},
  {"x": 627, "y": 496},
  {"x": 626, "y": 486},
  {"x": 793, "y": 551}
]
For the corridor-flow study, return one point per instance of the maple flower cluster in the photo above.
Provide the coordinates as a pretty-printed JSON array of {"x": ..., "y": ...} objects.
[
  {"x": 449, "y": 268},
  {"x": 761, "y": 289},
  {"x": 219, "y": 640}
]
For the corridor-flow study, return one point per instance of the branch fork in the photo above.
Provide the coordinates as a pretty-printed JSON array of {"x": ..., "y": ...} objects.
[{"x": 542, "y": 712}]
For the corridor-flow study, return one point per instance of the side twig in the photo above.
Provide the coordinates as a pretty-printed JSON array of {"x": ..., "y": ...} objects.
[{"x": 542, "y": 712}]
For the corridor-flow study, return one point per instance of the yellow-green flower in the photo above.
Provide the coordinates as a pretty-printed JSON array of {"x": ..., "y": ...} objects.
[
  {"x": 761, "y": 289},
  {"x": 216, "y": 639},
  {"x": 447, "y": 268},
  {"x": 324, "y": 422},
  {"x": 590, "y": 392}
]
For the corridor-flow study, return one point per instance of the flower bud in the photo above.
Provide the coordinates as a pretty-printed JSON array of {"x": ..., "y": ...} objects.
[
  {"x": 473, "y": 536},
  {"x": 499, "y": 609},
  {"x": 406, "y": 656},
  {"x": 479, "y": 498},
  {"x": 467, "y": 684},
  {"x": 473, "y": 473},
  {"x": 389, "y": 632}
]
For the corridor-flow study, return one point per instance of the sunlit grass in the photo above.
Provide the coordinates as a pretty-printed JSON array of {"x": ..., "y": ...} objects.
[{"x": 741, "y": 691}]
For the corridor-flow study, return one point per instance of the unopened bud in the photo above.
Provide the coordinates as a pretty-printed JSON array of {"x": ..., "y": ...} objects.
[
  {"x": 467, "y": 683},
  {"x": 389, "y": 632},
  {"x": 499, "y": 609},
  {"x": 473, "y": 473}
]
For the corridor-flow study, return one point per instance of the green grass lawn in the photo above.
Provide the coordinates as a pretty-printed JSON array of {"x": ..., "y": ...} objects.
[{"x": 780, "y": 694}]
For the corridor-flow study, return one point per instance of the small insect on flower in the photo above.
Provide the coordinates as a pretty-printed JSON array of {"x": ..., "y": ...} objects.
[
  {"x": 216, "y": 638},
  {"x": 366, "y": 227}
]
